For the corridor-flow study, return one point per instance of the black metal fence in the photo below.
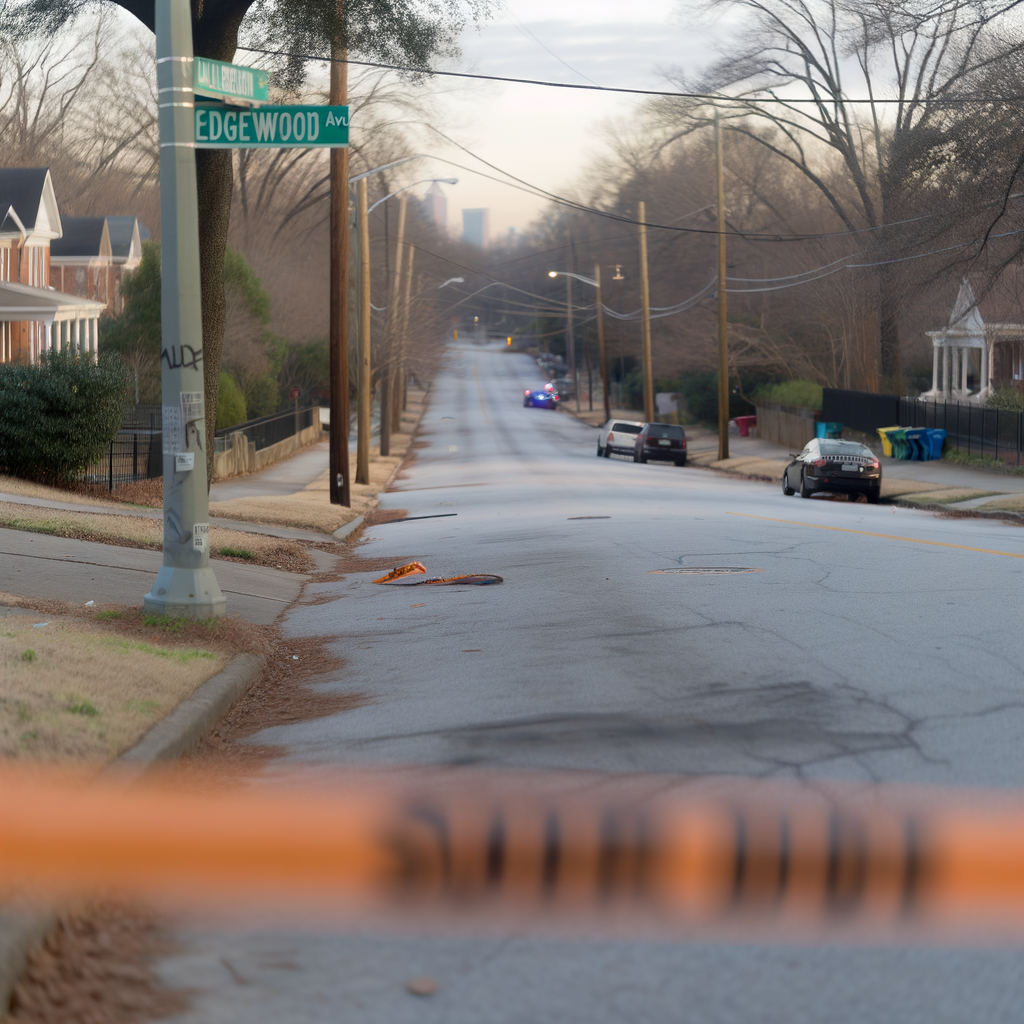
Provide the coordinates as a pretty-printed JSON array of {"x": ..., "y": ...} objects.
[
  {"x": 975, "y": 429},
  {"x": 135, "y": 454},
  {"x": 137, "y": 451},
  {"x": 268, "y": 430}
]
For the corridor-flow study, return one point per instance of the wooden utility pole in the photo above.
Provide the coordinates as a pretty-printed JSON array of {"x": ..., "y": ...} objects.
[
  {"x": 570, "y": 341},
  {"x": 341, "y": 493},
  {"x": 405, "y": 334},
  {"x": 395, "y": 389},
  {"x": 645, "y": 302},
  {"x": 602, "y": 357},
  {"x": 363, "y": 405},
  {"x": 723, "y": 337}
]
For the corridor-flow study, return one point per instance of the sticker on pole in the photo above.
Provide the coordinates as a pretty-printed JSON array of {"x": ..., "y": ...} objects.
[
  {"x": 193, "y": 412},
  {"x": 201, "y": 537},
  {"x": 173, "y": 438}
]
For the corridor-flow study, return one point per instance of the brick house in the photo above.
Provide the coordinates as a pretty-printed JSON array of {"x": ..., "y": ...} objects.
[
  {"x": 34, "y": 317},
  {"x": 93, "y": 256}
]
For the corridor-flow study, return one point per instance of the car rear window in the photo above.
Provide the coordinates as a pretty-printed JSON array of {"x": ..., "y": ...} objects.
[
  {"x": 828, "y": 448},
  {"x": 665, "y": 430},
  {"x": 626, "y": 428}
]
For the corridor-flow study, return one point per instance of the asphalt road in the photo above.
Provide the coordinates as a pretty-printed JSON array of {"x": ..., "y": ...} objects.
[{"x": 873, "y": 644}]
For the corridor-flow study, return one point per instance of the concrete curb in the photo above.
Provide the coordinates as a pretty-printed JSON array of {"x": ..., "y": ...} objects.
[
  {"x": 21, "y": 931},
  {"x": 343, "y": 531},
  {"x": 1006, "y": 515}
]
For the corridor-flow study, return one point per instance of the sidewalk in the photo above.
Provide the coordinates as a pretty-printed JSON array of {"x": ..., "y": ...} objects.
[{"x": 915, "y": 483}]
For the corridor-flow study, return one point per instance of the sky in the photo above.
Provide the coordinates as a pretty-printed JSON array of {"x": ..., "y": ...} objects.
[{"x": 547, "y": 136}]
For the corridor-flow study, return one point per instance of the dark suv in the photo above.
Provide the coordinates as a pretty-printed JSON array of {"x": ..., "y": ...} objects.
[{"x": 663, "y": 441}]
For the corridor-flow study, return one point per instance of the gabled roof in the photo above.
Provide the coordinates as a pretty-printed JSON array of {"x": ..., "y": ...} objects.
[
  {"x": 83, "y": 238},
  {"x": 125, "y": 238},
  {"x": 11, "y": 225},
  {"x": 29, "y": 191}
]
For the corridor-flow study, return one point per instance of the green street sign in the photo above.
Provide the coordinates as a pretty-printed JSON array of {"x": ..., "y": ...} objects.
[
  {"x": 230, "y": 81},
  {"x": 270, "y": 127}
]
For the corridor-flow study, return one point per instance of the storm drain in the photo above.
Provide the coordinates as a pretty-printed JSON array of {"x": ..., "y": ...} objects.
[{"x": 706, "y": 570}]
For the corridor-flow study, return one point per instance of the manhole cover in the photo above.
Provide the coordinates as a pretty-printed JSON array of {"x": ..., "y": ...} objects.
[{"x": 706, "y": 570}]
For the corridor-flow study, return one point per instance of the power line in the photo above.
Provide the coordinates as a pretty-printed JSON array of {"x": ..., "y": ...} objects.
[{"x": 711, "y": 97}]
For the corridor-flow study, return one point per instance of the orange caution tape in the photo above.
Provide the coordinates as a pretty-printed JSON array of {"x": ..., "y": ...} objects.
[
  {"x": 398, "y": 575},
  {"x": 536, "y": 848},
  {"x": 403, "y": 570}
]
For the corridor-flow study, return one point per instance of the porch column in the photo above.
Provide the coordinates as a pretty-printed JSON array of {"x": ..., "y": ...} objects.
[
  {"x": 94, "y": 341},
  {"x": 945, "y": 372},
  {"x": 964, "y": 368},
  {"x": 985, "y": 361},
  {"x": 76, "y": 336},
  {"x": 935, "y": 368}
]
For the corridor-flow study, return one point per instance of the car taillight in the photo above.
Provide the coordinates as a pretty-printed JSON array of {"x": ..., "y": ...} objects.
[
  {"x": 555, "y": 397},
  {"x": 682, "y": 444},
  {"x": 610, "y": 438},
  {"x": 820, "y": 462},
  {"x": 526, "y": 392}
]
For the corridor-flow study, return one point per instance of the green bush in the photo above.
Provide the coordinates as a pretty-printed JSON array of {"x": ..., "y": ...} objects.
[
  {"x": 803, "y": 393},
  {"x": 57, "y": 418},
  {"x": 1006, "y": 398},
  {"x": 231, "y": 403}
]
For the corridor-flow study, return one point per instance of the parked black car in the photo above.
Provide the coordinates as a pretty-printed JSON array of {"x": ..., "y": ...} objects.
[
  {"x": 839, "y": 467},
  {"x": 663, "y": 441}
]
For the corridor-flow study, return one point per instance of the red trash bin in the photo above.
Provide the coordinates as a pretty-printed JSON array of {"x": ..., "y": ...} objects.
[{"x": 744, "y": 423}]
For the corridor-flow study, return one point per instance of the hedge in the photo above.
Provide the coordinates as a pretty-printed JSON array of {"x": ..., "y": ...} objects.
[{"x": 57, "y": 418}]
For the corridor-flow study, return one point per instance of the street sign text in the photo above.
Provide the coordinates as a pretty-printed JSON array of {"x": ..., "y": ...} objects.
[
  {"x": 230, "y": 81},
  {"x": 271, "y": 127}
]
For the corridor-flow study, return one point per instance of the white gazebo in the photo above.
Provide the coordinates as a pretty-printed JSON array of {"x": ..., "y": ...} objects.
[
  {"x": 967, "y": 332},
  {"x": 66, "y": 323}
]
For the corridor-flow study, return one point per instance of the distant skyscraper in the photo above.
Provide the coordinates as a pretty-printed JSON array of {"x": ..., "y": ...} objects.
[
  {"x": 437, "y": 205},
  {"x": 476, "y": 227}
]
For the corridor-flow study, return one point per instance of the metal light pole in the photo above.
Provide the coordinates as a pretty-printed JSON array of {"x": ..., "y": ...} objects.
[
  {"x": 340, "y": 484},
  {"x": 601, "y": 354},
  {"x": 723, "y": 336},
  {"x": 363, "y": 407},
  {"x": 185, "y": 584},
  {"x": 645, "y": 302}
]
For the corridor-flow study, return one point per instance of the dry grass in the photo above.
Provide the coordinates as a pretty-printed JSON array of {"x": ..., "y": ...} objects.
[
  {"x": 893, "y": 487},
  {"x": 140, "y": 532},
  {"x": 311, "y": 508},
  {"x": 1008, "y": 503},
  {"x": 43, "y": 492},
  {"x": 949, "y": 496},
  {"x": 70, "y": 689}
]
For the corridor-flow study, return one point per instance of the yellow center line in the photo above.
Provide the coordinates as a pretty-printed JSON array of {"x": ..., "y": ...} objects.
[
  {"x": 883, "y": 536},
  {"x": 481, "y": 394}
]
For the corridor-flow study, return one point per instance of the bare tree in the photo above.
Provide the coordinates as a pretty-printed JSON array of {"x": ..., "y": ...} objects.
[{"x": 875, "y": 163}]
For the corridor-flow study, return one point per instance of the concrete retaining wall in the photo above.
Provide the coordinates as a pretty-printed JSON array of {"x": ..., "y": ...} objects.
[
  {"x": 789, "y": 425},
  {"x": 242, "y": 458}
]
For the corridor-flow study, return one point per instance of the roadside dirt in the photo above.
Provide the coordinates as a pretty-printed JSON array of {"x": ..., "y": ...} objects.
[{"x": 95, "y": 968}]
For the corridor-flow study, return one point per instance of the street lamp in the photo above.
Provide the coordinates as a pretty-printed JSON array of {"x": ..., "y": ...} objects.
[
  {"x": 363, "y": 246},
  {"x": 422, "y": 181},
  {"x": 595, "y": 282},
  {"x": 390, "y": 407}
]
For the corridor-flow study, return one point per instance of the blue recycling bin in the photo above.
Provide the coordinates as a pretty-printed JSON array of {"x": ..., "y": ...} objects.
[
  {"x": 823, "y": 429},
  {"x": 936, "y": 439},
  {"x": 917, "y": 441}
]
